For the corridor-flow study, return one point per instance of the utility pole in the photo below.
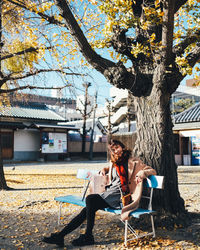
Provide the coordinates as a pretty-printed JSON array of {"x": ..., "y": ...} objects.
[
  {"x": 109, "y": 108},
  {"x": 93, "y": 126},
  {"x": 109, "y": 129}
]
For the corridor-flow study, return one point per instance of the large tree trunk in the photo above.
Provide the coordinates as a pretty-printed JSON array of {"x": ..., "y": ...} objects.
[
  {"x": 154, "y": 145},
  {"x": 3, "y": 184}
]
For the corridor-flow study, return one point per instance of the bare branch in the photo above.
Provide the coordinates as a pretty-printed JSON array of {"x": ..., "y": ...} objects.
[
  {"x": 31, "y": 49},
  {"x": 30, "y": 87},
  {"x": 81, "y": 112},
  {"x": 14, "y": 76},
  {"x": 50, "y": 19}
]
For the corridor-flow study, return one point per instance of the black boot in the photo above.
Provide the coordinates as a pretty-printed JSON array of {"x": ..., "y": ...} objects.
[
  {"x": 83, "y": 240},
  {"x": 55, "y": 238}
]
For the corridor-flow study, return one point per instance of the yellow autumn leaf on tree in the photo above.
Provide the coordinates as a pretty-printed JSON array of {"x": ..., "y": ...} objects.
[{"x": 19, "y": 62}]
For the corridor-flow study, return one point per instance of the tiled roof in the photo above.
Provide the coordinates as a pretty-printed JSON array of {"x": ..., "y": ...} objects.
[
  {"x": 191, "y": 114},
  {"x": 30, "y": 113}
]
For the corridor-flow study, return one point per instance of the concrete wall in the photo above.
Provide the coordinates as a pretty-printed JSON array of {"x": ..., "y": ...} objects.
[
  {"x": 127, "y": 139},
  {"x": 178, "y": 159},
  {"x": 76, "y": 146},
  {"x": 26, "y": 140},
  {"x": 26, "y": 145}
]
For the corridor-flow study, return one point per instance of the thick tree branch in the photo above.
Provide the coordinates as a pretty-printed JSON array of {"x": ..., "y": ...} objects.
[
  {"x": 121, "y": 43},
  {"x": 179, "y": 4},
  {"x": 167, "y": 30},
  {"x": 180, "y": 48},
  {"x": 98, "y": 62},
  {"x": 176, "y": 77},
  {"x": 29, "y": 87},
  {"x": 116, "y": 74},
  {"x": 194, "y": 56}
]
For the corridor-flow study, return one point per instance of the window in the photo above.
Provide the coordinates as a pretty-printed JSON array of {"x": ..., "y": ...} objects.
[
  {"x": 7, "y": 140},
  {"x": 185, "y": 145},
  {"x": 176, "y": 144},
  {"x": 7, "y": 145}
]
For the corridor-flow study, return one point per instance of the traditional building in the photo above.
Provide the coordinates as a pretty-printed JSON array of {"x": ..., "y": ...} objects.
[{"x": 30, "y": 132}]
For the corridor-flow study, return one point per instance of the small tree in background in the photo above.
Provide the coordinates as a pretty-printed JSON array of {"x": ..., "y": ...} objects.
[
  {"x": 181, "y": 105},
  {"x": 85, "y": 114}
]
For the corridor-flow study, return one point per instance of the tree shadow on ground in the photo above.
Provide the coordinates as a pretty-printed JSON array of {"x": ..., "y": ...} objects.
[
  {"x": 185, "y": 227},
  {"x": 192, "y": 183},
  {"x": 179, "y": 236},
  {"x": 42, "y": 188}
]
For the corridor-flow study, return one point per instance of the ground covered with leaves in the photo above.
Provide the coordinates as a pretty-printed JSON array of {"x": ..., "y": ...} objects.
[{"x": 29, "y": 212}]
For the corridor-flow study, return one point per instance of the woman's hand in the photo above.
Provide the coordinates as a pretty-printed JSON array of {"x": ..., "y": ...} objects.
[
  {"x": 140, "y": 176},
  {"x": 138, "y": 179},
  {"x": 103, "y": 171}
]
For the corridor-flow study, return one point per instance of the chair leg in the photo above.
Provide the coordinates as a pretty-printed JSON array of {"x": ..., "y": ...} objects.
[
  {"x": 125, "y": 232},
  {"x": 153, "y": 227},
  {"x": 136, "y": 235}
]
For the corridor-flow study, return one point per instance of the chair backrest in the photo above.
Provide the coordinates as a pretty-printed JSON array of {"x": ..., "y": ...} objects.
[
  {"x": 154, "y": 181},
  {"x": 85, "y": 174}
]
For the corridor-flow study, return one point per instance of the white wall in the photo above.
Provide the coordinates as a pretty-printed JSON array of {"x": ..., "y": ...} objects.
[
  {"x": 123, "y": 93},
  {"x": 26, "y": 140}
]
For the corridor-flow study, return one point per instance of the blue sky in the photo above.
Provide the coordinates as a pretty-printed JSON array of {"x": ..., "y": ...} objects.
[{"x": 97, "y": 80}]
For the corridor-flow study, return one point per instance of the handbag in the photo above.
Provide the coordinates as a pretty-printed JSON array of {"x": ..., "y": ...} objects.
[
  {"x": 98, "y": 183},
  {"x": 126, "y": 199}
]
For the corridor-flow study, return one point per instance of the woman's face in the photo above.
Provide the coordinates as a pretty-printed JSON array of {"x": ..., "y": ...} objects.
[{"x": 117, "y": 150}]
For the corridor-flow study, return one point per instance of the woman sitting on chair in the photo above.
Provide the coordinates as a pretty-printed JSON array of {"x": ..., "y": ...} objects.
[{"x": 125, "y": 175}]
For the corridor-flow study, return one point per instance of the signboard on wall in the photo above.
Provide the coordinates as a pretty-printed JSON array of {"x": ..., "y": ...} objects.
[
  {"x": 195, "y": 143},
  {"x": 54, "y": 142}
]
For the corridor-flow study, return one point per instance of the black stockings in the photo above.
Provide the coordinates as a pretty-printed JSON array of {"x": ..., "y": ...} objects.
[{"x": 94, "y": 202}]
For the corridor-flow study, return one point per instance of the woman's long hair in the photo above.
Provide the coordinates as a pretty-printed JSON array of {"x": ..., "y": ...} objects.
[{"x": 126, "y": 153}]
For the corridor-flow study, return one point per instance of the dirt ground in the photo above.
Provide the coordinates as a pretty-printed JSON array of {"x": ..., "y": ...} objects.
[{"x": 29, "y": 212}]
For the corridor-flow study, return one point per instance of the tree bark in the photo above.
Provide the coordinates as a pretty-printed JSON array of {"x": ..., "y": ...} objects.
[
  {"x": 154, "y": 145},
  {"x": 3, "y": 185}
]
